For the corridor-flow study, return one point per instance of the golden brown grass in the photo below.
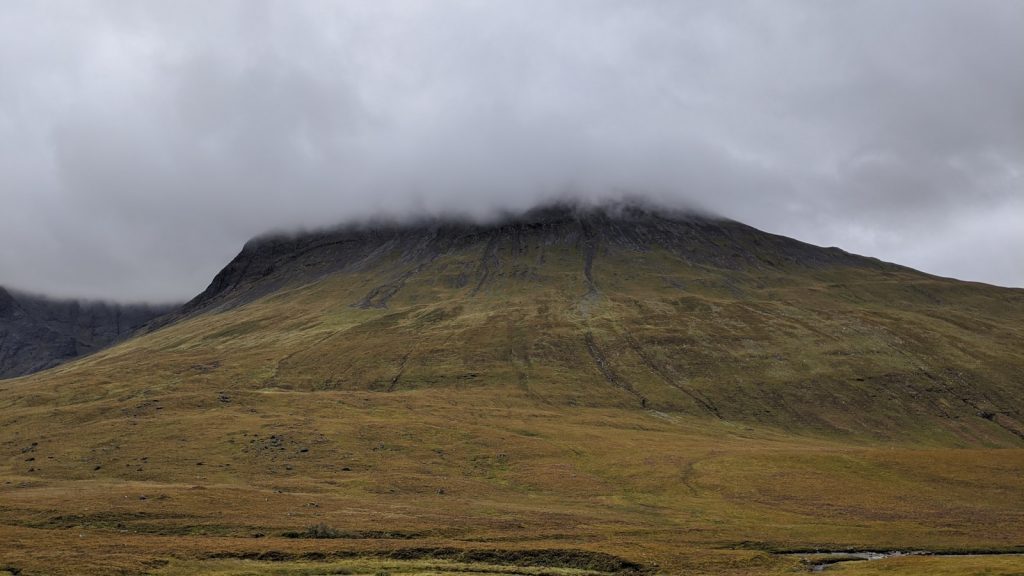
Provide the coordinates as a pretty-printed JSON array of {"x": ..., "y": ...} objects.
[{"x": 839, "y": 411}]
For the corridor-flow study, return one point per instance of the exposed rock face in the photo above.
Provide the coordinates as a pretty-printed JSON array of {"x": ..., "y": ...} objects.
[
  {"x": 38, "y": 333},
  {"x": 268, "y": 263}
]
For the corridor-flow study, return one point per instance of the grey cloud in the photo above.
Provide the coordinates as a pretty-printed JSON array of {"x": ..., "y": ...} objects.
[{"x": 142, "y": 143}]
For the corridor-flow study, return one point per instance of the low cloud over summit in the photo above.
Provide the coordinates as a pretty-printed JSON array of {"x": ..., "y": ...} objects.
[{"x": 142, "y": 144}]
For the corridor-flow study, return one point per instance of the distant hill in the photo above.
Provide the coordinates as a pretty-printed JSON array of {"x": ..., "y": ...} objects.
[{"x": 37, "y": 333}]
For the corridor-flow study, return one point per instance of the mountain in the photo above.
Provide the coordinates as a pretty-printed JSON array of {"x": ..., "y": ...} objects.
[
  {"x": 574, "y": 390},
  {"x": 268, "y": 263},
  {"x": 37, "y": 333},
  {"x": 671, "y": 311}
]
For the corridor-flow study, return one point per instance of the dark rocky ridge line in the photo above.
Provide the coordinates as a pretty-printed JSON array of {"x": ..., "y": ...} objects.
[
  {"x": 37, "y": 333},
  {"x": 269, "y": 263}
]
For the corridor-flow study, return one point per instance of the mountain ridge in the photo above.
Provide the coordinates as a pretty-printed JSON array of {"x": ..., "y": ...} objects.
[
  {"x": 632, "y": 224},
  {"x": 266, "y": 263},
  {"x": 38, "y": 332}
]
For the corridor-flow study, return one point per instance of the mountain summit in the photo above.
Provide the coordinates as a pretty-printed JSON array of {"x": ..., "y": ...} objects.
[{"x": 595, "y": 231}]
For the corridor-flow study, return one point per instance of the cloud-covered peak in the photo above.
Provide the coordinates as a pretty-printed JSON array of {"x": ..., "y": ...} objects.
[{"x": 142, "y": 145}]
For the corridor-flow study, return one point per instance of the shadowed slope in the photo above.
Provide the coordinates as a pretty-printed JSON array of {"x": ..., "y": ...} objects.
[{"x": 37, "y": 333}]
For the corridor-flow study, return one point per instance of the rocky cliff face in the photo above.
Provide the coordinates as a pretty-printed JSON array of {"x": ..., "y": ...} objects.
[
  {"x": 38, "y": 333},
  {"x": 269, "y": 263}
]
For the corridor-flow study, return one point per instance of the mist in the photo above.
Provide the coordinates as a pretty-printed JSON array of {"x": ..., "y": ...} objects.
[{"x": 142, "y": 144}]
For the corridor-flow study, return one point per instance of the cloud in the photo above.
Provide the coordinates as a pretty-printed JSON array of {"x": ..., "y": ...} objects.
[{"x": 142, "y": 144}]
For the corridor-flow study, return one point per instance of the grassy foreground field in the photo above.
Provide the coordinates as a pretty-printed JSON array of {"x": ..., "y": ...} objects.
[
  {"x": 673, "y": 495},
  {"x": 554, "y": 419},
  {"x": 670, "y": 495}
]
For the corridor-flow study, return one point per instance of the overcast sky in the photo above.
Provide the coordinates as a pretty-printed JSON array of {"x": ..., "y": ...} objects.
[{"x": 142, "y": 143}]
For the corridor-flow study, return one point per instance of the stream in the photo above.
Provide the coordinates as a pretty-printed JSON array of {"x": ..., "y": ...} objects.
[{"x": 820, "y": 561}]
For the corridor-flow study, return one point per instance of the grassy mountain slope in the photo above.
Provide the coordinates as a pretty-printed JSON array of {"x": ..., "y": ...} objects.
[{"x": 597, "y": 390}]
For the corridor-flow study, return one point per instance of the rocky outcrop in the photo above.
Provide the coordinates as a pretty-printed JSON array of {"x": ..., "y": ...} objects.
[
  {"x": 269, "y": 263},
  {"x": 37, "y": 333}
]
